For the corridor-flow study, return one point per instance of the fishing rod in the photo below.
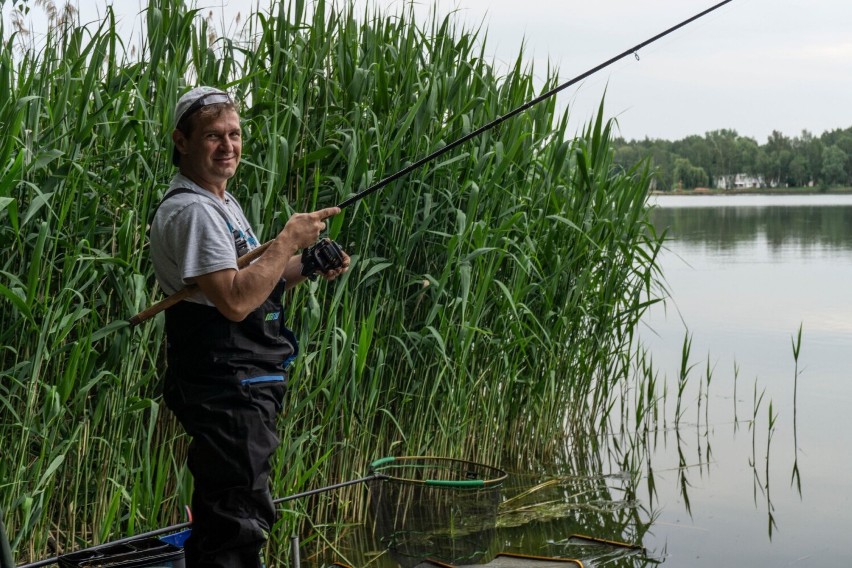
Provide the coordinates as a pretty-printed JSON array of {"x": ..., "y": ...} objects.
[{"x": 318, "y": 251}]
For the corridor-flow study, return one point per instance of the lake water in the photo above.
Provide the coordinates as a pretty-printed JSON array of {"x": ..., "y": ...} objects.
[
  {"x": 744, "y": 273},
  {"x": 756, "y": 469}
]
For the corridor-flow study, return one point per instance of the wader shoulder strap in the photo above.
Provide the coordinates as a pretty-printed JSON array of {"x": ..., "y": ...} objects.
[{"x": 166, "y": 197}]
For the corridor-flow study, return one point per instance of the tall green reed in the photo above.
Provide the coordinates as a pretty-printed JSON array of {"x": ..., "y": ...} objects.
[{"x": 490, "y": 307}]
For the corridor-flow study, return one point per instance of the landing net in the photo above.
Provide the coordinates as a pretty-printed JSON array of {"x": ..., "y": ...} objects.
[{"x": 435, "y": 508}]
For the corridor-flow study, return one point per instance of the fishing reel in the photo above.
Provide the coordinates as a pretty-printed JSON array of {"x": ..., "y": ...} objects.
[{"x": 323, "y": 256}]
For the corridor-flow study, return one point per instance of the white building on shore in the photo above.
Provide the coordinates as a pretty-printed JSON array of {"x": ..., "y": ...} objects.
[{"x": 739, "y": 181}]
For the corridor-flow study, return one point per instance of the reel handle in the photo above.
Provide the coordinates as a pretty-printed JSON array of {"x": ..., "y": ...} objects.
[{"x": 321, "y": 257}]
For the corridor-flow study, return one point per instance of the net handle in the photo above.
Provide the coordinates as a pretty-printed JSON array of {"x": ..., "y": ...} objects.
[{"x": 462, "y": 483}]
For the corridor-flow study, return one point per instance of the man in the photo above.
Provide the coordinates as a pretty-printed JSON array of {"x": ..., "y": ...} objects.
[{"x": 227, "y": 346}]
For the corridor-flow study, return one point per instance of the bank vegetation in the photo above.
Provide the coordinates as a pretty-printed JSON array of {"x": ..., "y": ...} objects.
[
  {"x": 489, "y": 312},
  {"x": 726, "y": 160}
]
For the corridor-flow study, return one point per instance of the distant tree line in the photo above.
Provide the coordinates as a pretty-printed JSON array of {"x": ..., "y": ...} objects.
[{"x": 715, "y": 159}]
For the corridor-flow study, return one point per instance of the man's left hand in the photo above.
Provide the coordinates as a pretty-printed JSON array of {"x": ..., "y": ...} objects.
[{"x": 335, "y": 272}]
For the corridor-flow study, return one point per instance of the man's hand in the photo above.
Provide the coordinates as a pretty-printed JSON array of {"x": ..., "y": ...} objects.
[
  {"x": 237, "y": 292},
  {"x": 303, "y": 229},
  {"x": 335, "y": 272}
]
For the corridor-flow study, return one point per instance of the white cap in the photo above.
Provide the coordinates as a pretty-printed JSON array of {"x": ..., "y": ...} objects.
[
  {"x": 196, "y": 95},
  {"x": 193, "y": 100}
]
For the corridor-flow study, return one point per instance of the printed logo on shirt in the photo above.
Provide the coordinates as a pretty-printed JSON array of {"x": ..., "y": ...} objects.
[
  {"x": 272, "y": 316},
  {"x": 243, "y": 241},
  {"x": 240, "y": 242}
]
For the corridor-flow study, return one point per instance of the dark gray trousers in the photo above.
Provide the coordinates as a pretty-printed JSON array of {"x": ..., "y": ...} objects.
[{"x": 233, "y": 437}]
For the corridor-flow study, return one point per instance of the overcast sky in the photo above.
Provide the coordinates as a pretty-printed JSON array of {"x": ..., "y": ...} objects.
[{"x": 753, "y": 65}]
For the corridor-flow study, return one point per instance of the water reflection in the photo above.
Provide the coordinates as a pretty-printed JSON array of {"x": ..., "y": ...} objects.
[
  {"x": 607, "y": 500},
  {"x": 760, "y": 286},
  {"x": 726, "y": 228},
  {"x": 585, "y": 507}
]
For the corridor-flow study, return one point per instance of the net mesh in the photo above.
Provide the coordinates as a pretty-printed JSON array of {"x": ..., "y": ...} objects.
[{"x": 435, "y": 508}]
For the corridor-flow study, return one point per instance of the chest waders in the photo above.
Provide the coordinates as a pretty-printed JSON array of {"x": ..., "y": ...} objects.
[{"x": 225, "y": 383}]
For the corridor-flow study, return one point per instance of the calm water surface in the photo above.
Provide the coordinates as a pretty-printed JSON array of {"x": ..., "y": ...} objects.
[{"x": 744, "y": 273}]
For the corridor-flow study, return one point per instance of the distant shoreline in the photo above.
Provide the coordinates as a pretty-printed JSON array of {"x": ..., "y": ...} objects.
[{"x": 759, "y": 191}]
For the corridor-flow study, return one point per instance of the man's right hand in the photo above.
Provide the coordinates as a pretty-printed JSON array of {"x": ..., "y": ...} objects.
[
  {"x": 303, "y": 229},
  {"x": 237, "y": 292}
]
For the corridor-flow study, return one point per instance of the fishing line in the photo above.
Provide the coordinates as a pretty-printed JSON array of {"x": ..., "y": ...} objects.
[
  {"x": 255, "y": 253},
  {"x": 500, "y": 119}
]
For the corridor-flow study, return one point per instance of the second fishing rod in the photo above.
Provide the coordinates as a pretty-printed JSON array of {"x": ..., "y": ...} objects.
[{"x": 327, "y": 255}]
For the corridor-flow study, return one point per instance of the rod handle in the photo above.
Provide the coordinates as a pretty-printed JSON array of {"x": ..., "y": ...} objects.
[{"x": 170, "y": 301}]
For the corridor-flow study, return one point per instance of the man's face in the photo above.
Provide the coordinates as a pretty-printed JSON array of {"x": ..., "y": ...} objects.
[{"x": 211, "y": 153}]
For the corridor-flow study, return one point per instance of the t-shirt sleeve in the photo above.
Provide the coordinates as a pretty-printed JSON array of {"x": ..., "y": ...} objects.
[{"x": 208, "y": 245}]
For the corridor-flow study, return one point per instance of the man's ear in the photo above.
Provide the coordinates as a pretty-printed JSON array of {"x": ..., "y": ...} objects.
[{"x": 180, "y": 141}]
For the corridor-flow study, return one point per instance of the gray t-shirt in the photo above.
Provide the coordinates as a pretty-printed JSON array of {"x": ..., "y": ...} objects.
[{"x": 196, "y": 233}]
